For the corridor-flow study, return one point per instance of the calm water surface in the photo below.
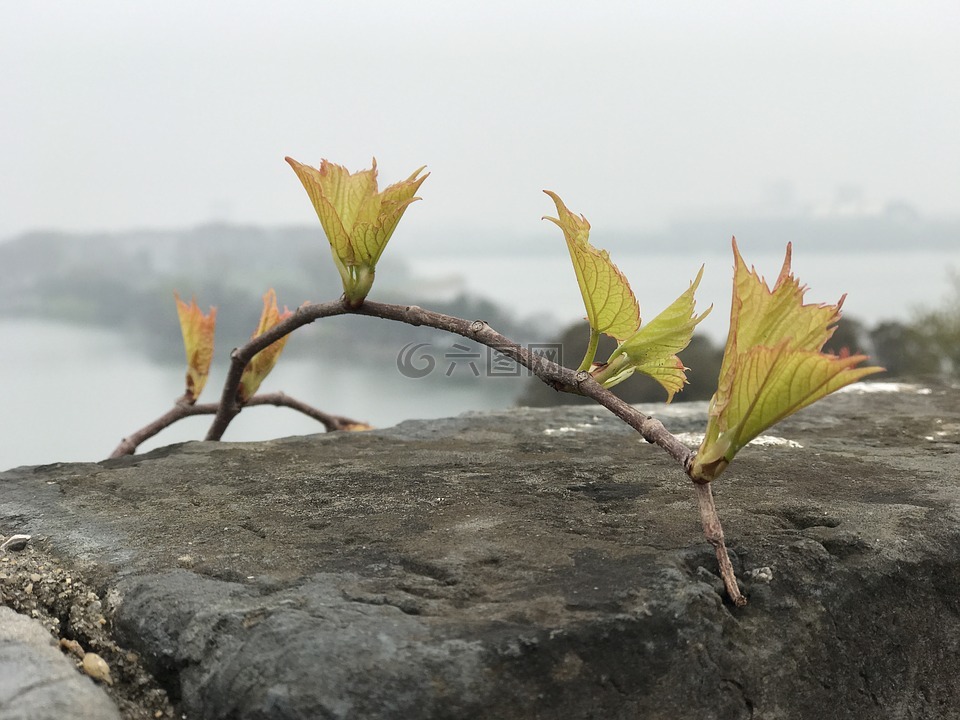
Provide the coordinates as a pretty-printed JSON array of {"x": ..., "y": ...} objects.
[{"x": 72, "y": 393}]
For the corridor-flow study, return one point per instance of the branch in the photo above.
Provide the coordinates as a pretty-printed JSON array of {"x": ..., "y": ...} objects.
[
  {"x": 332, "y": 423},
  {"x": 557, "y": 376},
  {"x": 713, "y": 531},
  {"x": 229, "y": 405},
  {"x": 182, "y": 408}
]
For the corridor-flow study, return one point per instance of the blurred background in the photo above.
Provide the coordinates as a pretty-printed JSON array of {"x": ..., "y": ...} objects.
[{"x": 142, "y": 154}]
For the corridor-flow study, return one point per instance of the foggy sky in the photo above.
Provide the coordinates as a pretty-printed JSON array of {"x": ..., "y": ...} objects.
[{"x": 116, "y": 115}]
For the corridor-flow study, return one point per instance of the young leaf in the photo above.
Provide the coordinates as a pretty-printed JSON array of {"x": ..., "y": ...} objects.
[
  {"x": 772, "y": 364},
  {"x": 263, "y": 362},
  {"x": 197, "y": 330},
  {"x": 357, "y": 220},
  {"x": 611, "y": 306},
  {"x": 653, "y": 349}
]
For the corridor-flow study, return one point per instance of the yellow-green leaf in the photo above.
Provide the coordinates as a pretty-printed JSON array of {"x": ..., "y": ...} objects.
[
  {"x": 264, "y": 361},
  {"x": 772, "y": 364},
  {"x": 777, "y": 314},
  {"x": 357, "y": 219},
  {"x": 394, "y": 201},
  {"x": 653, "y": 349},
  {"x": 611, "y": 306},
  {"x": 325, "y": 187},
  {"x": 197, "y": 330}
]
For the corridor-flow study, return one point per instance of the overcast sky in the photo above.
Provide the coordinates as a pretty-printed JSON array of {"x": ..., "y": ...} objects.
[{"x": 130, "y": 114}]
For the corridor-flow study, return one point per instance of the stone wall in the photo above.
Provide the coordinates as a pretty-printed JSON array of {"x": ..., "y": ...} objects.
[{"x": 532, "y": 564}]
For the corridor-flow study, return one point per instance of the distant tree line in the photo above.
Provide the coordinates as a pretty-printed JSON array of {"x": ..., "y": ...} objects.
[
  {"x": 126, "y": 282},
  {"x": 926, "y": 346}
]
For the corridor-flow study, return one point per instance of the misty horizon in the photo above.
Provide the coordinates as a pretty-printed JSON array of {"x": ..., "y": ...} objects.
[
  {"x": 121, "y": 115},
  {"x": 931, "y": 231}
]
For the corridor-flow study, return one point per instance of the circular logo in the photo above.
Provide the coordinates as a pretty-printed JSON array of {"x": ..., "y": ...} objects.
[{"x": 407, "y": 364}]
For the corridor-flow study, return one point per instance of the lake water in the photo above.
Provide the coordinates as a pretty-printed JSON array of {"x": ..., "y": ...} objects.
[{"x": 72, "y": 393}]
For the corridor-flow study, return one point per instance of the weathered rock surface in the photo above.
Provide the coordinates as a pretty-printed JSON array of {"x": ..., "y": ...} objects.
[{"x": 536, "y": 564}]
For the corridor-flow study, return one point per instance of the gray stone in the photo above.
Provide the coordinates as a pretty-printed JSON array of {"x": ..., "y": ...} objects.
[
  {"x": 531, "y": 564},
  {"x": 37, "y": 682}
]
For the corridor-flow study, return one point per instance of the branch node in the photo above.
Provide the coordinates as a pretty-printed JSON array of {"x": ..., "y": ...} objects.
[
  {"x": 652, "y": 425},
  {"x": 413, "y": 315},
  {"x": 581, "y": 377},
  {"x": 477, "y": 326}
]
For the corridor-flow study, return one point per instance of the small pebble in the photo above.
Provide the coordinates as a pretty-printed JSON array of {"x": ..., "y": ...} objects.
[
  {"x": 760, "y": 575},
  {"x": 72, "y": 646},
  {"x": 97, "y": 668}
]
